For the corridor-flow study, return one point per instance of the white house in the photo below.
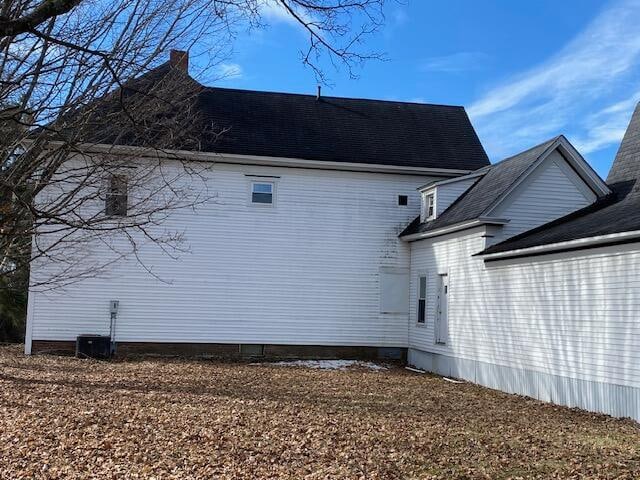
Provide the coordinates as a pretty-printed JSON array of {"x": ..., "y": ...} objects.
[{"x": 350, "y": 227}]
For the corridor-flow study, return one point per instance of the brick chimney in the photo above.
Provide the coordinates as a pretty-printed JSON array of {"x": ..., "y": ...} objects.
[{"x": 179, "y": 59}]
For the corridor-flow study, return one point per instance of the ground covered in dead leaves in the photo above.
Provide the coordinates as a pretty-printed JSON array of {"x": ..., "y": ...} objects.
[{"x": 76, "y": 419}]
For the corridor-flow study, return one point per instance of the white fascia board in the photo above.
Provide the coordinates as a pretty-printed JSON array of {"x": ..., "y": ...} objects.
[
  {"x": 573, "y": 157},
  {"x": 568, "y": 245},
  {"x": 585, "y": 170},
  {"x": 455, "y": 228},
  {"x": 264, "y": 160},
  {"x": 435, "y": 184}
]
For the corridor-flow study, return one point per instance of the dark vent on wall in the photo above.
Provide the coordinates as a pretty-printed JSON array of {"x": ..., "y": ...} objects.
[{"x": 247, "y": 350}]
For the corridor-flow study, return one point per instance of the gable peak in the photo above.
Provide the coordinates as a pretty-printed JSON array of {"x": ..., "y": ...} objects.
[{"x": 626, "y": 166}]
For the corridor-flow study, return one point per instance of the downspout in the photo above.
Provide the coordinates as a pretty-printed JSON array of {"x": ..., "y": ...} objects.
[{"x": 28, "y": 334}]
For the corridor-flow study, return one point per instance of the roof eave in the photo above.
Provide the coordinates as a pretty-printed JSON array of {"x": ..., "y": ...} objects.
[
  {"x": 455, "y": 228},
  {"x": 437, "y": 183},
  {"x": 581, "y": 243},
  {"x": 221, "y": 157}
]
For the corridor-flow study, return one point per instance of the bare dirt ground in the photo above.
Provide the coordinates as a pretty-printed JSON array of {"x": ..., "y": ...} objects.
[{"x": 164, "y": 419}]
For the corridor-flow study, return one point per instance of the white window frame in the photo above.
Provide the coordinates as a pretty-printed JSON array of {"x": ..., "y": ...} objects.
[
  {"x": 257, "y": 181},
  {"x": 420, "y": 298},
  {"x": 109, "y": 194},
  {"x": 430, "y": 202}
]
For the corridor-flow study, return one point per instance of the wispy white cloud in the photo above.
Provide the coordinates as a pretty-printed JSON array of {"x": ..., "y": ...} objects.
[
  {"x": 396, "y": 19},
  {"x": 229, "y": 70},
  {"x": 275, "y": 12},
  {"x": 455, "y": 63},
  {"x": 606, "y": 126},
  {"x": 583, "y": 90},
  {"x": 399, "y": 17}
]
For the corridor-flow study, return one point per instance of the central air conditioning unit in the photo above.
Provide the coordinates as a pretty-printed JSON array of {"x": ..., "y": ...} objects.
[{"x": 93, "y": 346}]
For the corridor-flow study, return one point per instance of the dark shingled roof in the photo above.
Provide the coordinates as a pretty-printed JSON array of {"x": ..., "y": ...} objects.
[
  {"x": 300, "y": 126},
  {"x": 616, "y": 213},
  {"x": 494, "y": 182}
]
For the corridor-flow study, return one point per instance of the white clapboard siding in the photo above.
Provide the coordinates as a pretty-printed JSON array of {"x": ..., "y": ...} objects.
[
  {"x": 571, "y": 315},
  {"x": 449, "y": 192},
  {"x": 304, "y": 271},
  {"x": 550, "y": 192}
]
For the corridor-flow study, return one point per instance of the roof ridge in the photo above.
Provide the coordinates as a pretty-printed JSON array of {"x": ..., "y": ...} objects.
[
  {"x": 290, "y": 125},
  {"x": 313, "y": 96},
  {"x": 507, "y": 159}
]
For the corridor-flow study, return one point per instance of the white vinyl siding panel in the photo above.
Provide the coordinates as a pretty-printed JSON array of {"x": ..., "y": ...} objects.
[
  {"x": 572, "y": 315},
  {"x": 449, "y": 192},
  {"x": 305, "y": 271},
  {"x": 552, "y": 191}
]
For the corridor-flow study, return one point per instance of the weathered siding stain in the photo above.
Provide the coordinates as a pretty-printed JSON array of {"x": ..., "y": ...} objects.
[{"x": 303, "y": 272}]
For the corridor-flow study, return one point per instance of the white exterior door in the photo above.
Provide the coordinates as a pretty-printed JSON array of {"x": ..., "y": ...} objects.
[{"x": 442, "y": 317}]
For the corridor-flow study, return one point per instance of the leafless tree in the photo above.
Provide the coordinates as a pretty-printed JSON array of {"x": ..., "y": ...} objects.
[{"x": 77, "y": 83}]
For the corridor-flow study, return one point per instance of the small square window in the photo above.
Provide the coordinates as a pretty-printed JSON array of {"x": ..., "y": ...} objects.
[
  {"x": 262, "y": 192},
  {"x": 403, "y": 200}
]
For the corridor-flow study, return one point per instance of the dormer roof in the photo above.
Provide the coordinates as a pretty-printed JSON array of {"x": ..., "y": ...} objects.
[{"x": 494, "y": 183}]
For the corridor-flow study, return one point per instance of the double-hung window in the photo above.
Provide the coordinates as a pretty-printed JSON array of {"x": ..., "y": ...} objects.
[
  {"x": 262, "y": 193},
  {"x": 116, "y": 198},
  {"x": 430, "y": 205},
  {"x": 422, "y": 299}
]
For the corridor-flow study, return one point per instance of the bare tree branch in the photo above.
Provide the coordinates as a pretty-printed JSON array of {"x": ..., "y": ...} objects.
[
  {"x": 41, "y": 13},
  {"x": 81, "y": 79}
]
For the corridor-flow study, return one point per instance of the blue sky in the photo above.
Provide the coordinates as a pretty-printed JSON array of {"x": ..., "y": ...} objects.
[{"x": 525, "y": 71}]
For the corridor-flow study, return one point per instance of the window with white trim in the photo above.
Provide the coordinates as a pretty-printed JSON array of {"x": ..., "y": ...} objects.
[
  {"x": 422, "y": 299},
  {"x": 116, "y": 199},
  {"x": 262, "y": 193},
  {"x": 430, "y": 206}
]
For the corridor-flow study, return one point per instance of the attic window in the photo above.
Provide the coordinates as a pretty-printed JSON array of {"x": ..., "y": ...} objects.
[
  {"x": 403, "y": 200},
  {"x": 430, "y": 206}
]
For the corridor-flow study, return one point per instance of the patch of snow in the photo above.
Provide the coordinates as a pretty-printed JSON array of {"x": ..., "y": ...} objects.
[
  {"x": 331, "y": 364},
  {"x": 451, "y": 380}
]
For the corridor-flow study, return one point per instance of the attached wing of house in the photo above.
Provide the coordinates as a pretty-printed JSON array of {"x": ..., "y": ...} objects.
[
  {"x": 521, "y": 192},
  {"x": 614, "y": 219},
  {"x": 526, "y": 279}
]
